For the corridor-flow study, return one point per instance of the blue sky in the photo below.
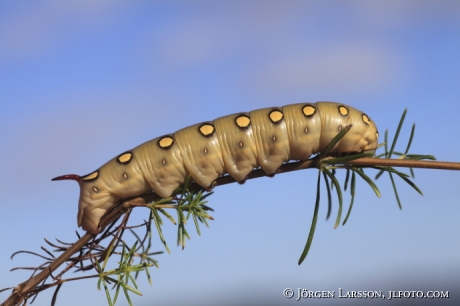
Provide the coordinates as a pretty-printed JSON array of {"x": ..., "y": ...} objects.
[{"x": 82, "y": 81}]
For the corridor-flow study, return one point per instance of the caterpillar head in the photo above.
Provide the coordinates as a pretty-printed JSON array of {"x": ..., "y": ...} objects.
[
  {"x": 94, "y": 200},
  {"x": 363, "y": 135}
]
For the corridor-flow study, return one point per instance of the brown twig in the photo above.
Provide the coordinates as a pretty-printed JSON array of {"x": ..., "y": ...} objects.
[{"x": 20, "y": 292}]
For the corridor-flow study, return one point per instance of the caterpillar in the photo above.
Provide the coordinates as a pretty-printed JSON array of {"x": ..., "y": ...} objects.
[{"x": 235, "y": 144}]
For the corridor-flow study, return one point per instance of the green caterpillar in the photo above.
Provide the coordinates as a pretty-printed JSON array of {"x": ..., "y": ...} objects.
[{"x": 234, "y": 144}]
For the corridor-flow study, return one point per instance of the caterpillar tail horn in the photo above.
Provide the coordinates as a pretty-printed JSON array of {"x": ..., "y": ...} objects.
[{"x": 73, "y": 177}]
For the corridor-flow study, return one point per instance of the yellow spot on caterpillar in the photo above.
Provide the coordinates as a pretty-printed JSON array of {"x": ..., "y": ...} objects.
[
  {"x": 125, "y": 157},
  {"x": 308, "y": 110},
  {"x": 125, "y": 176},
  {"x": 166, "y": 142},
  {"x": 91, "y": 176},
  {"x": 95, "y": 189},
  {"x": 243, "y": 121},
  {"x": 276, "y": 116},
  {"x": 206, "y": 129},
  {"x": 366, "y": 119},
  {"x": 343, "y": 110}
]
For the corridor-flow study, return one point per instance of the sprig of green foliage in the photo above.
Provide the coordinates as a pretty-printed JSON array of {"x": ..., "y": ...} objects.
[
  {"x": 328, "y": 166},
  {"x": 187, "y": 203}
]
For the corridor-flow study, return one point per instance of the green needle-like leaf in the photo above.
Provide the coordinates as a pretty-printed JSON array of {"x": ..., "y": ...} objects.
[
  {"x": 117, "y": 290},
  {"x": 100, "y": 271},
  {"x": 410, "y": 139},
  {"x": 333, "y": 174},
  {"x": 127, "y": 287},
  {"x": 313, "y": 223},
  {"x": 339, "y": 195},
  {"x": 157, "y": 220},
  {"x": 420, "y": 157},
  {"x": 329, "y": 197},
  {"x": 133, "y": 280},
  {"x": 412, "y": 184},
  {"x": 398, "y": 130},
  {"x": 412, "y": 174},
  {"x": 196, "y": 224},
  {"x": 386, "y": 144},
  {"x": 369, "y": 181},
  {"x": 107, "y": 293},
  {"x": 334, "y": 141},
  {"x": 379, "y": 174},
  {"x": 352, "y": 192},
  {"x": 392, "y": 170},
  {"x": 207, "y": 195},
  {"x": 164, "y": 212},
  {"x": 148, "y": 275},
  {"x": 347, "y": 177},
  {"x": 395, "y": 190},
  {"x": 127, "y": 297},
  {"x": 345, "y": 159}
]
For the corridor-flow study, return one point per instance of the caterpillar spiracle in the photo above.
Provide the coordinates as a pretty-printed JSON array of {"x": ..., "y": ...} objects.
[{"x": 234, "y": 144}]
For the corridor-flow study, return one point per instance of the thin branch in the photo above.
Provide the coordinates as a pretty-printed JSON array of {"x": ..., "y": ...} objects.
[
  {"x": 424, "y": 164},
  {"x": 20, "y": 292}
]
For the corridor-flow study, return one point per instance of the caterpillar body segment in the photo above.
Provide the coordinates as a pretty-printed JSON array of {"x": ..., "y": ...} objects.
[{"x": 233, "y": 144}]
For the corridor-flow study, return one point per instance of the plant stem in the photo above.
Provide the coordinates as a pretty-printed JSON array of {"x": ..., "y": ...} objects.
[{"x": 20, "y": 292}]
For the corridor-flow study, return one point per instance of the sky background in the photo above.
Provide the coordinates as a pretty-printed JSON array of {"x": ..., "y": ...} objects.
[{"x": 82, "y": 81}]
